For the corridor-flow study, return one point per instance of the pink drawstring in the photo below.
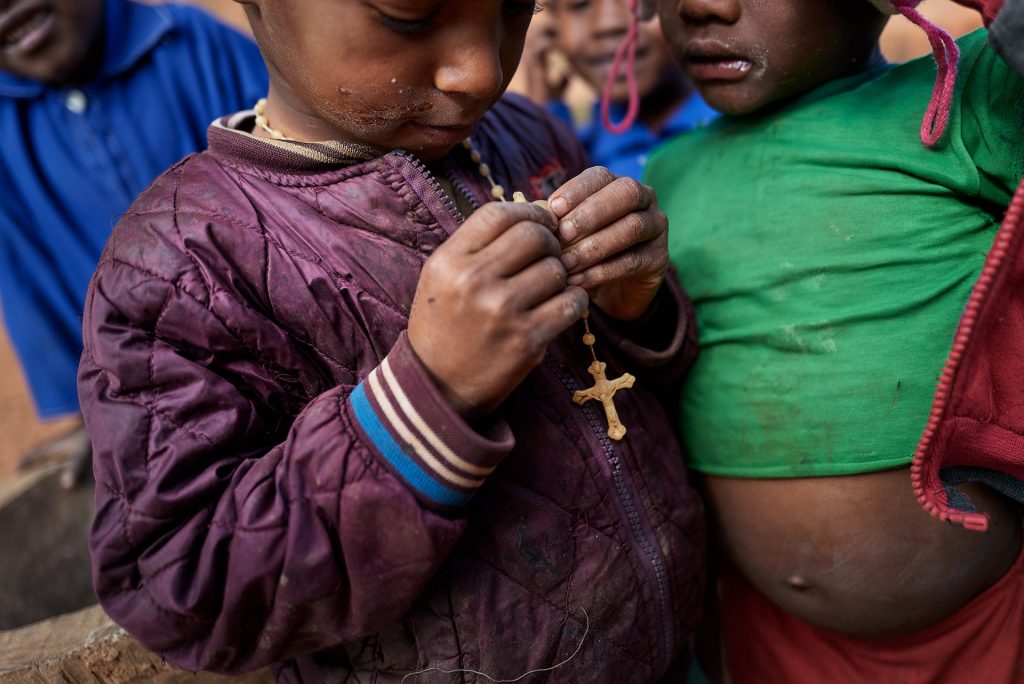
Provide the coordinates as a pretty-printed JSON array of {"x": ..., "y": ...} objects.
[
  {"x": 944, "y": 48},
  {"x": 626, "y": 51},
  {"x": 947, "y": 54}
]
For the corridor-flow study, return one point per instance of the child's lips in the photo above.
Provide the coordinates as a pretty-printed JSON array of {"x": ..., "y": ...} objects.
[
  {"x": 706, "y": 61},
  {"x": 446, "y": 135},
  {"x": 23, "y": 30}
]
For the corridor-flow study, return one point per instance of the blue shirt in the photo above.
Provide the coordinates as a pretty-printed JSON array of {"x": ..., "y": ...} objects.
[
  {"x": 625, "y": 154},
  {"x": 73, "y": 160}
]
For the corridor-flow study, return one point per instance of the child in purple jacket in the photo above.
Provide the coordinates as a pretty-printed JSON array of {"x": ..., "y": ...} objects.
[{"x": 338, "y": 396}]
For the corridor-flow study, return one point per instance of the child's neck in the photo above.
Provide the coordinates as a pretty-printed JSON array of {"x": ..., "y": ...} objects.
[{"x": 658, "y": 106}]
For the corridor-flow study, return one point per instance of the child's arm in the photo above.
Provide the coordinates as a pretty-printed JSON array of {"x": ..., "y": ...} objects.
[{"x": 226, "y": 536}]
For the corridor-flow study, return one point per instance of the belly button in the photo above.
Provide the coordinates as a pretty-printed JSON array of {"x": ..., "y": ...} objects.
[{"x": 798, "y": 583}]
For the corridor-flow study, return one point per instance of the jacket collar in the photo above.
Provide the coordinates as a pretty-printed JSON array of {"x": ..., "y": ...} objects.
[{"x": 131, "y": 31}]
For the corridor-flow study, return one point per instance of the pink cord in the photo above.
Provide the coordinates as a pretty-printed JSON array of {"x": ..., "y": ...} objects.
[
  {"x": 626, "y": 51},
  {"x": 947, "y": 54}
]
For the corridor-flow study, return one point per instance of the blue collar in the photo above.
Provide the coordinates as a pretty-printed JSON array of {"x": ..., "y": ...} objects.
[{"x": 131, "y": 31}]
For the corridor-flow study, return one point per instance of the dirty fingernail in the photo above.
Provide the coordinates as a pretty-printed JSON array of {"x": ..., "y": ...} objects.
[
  {"x": 575, "y": 279},
  {"x": 559, "y": 205},
  {"x": 569, "y": 261},
  {"x": 568, "y": 230}
]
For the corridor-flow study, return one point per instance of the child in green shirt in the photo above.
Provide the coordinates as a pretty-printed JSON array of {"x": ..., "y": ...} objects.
[{"x": 830, "y": 256}]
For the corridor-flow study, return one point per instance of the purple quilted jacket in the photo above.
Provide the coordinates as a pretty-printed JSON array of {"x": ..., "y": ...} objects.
[{"x": 280, "y": 483}]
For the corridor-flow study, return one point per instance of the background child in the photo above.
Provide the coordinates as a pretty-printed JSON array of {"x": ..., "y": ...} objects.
[
  {"x": 96, "y": 99},
  {"x": 831, "y": 256},
  {"x": 588, "y": 32},
  {"x": 301, "y": 365}
]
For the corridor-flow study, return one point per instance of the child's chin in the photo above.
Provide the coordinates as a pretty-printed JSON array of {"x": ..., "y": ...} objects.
[{"x": 732, "y": 103}]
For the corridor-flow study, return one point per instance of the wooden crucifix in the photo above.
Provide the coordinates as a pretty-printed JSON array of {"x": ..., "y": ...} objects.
[{"x": 604, "y": 389}]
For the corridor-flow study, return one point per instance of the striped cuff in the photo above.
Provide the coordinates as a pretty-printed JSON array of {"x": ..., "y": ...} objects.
[{"x": 413, "y": 428}]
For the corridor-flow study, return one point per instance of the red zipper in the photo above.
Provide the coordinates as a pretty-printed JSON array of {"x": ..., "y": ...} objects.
[{"x": 928, "y": 494}]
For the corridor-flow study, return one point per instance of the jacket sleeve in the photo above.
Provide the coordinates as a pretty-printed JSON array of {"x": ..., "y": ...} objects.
[
  {"x": 662, "y": 344},
  {"x": 227, "y": 537}
]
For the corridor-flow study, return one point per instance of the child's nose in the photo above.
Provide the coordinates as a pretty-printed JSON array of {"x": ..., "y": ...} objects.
[
  {"x": 703, "y": 11},
  {"x": 609, "y": 17},
  {"x": 472, "y": 67}
]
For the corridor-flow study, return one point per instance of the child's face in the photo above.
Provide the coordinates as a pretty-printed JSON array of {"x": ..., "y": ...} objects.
[
  {"x": 745, "y": 54},
  {"x": 589, "y": 32},
  {"x": 48, "y": 40},
  {"x": 411, "y": 74}
]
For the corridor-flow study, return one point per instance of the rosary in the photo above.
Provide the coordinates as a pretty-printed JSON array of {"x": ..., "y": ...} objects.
[{"x": 604, "y": 389}]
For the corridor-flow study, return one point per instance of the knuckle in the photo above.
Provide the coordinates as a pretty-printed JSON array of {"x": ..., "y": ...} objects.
[
  {"x": 467, "y": 278},
  {"x": 650, "y": 196},
  {"x": 556, "y": 269},
  {"x": 637, "y": 226},
  {"x": 493, "y": 304},
  {"x": 603, "y": 175},
  {"x": 632, "y": 191},
  {"x": 542, "y": 237},
  {"x": 661, "y": 222},
  {"x": 634, "y": 263}
]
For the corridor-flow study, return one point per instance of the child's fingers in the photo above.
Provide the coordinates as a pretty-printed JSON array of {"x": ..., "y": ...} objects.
[
  {"x": 519, "y": 246},
  {"x": 602, "y": 207},
  {"x": 553, "y": 317},
  {"x": 537, "y": 283},
  {"x": 649, "y": 259},
  {"x": 576, "y": 190},
  {"x": 492, "y": 220},
  {"x": 629, "y": 231}
]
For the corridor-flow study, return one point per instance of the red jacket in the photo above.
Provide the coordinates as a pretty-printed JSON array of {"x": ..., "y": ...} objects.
[{"x": 976, "y": 428}]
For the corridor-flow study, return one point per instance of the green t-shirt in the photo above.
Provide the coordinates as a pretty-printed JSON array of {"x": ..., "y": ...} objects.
[{"x": 830, "y": 255}]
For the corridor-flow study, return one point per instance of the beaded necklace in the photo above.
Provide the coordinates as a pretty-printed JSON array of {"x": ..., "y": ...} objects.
[{"x": 604, "y": 389}]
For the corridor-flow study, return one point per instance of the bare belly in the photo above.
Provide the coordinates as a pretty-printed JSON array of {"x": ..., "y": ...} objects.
[{"x": 858, "y": 554}]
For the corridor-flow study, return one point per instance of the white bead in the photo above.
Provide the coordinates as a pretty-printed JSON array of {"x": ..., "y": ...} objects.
[
  {"x": 498, "y": 192},
  {"x": 76, "y": 101}
]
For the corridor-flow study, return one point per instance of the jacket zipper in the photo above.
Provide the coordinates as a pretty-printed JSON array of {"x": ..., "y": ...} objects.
[
  {"x": 448, "y": 202},
  {"x": 648, "y": 546},
  {"x": 925, "y": 488},
  {"x": 620, "y": 478}
]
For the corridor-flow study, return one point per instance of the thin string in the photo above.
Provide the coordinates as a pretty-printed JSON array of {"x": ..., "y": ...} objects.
[
  {"x": 947, "y": 55},
  {"x": 626, "y": 51},
  {"x": 520, "y": 677}
]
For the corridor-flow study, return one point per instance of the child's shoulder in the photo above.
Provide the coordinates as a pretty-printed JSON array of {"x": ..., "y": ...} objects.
[
  {"x": 514, "y": 122},
  {"x": 196, "y": 189}
]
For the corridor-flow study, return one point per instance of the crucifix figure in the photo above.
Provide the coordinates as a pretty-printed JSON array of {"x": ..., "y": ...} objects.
[{"x": 604, "y": 389}]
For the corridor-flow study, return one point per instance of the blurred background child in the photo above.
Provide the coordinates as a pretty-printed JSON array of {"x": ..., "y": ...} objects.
[
  {"x": 97, "y": 97},
  {"x": 582, "y": 36}
]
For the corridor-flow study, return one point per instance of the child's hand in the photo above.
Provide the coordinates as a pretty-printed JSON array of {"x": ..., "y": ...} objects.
[
  {"x": 489, "y": 302},
  {"x": 615, "y": 240}
]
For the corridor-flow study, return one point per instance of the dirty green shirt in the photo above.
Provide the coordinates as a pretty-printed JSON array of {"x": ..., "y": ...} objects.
[{"x": 830, "y": 255}]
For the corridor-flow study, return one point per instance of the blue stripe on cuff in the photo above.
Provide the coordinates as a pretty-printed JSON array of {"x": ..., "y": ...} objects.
[{"x": 410, "y": 471}]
